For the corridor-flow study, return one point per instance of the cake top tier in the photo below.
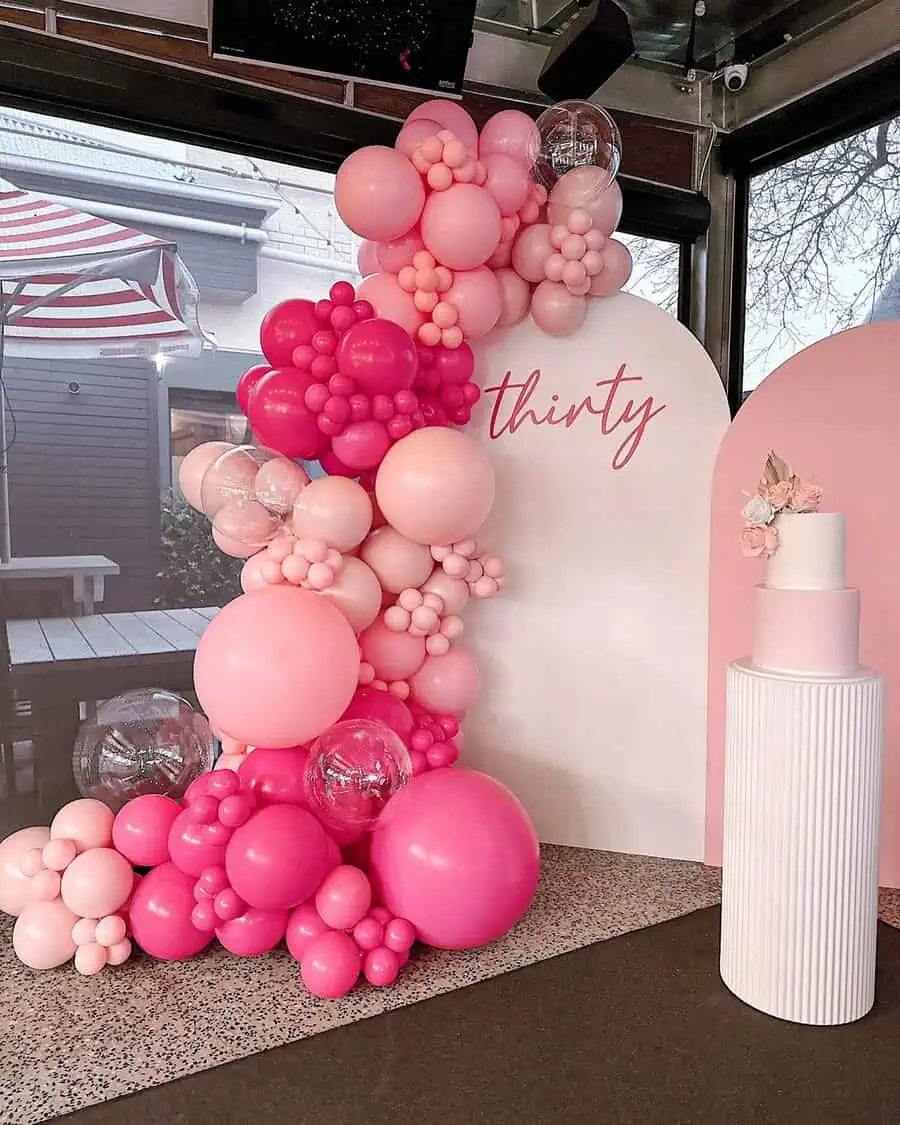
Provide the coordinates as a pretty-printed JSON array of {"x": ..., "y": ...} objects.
[{"x": 810, "y": 552}]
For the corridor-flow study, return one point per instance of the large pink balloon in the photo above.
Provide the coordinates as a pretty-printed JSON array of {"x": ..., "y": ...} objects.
[
  {"x": 141, "y": 829},
  {"x": 193, "y": 467},
  {"x": 383, "y": 292},
  {"x": 394, "y": 656},
  {"x": 507, "y": 181},
  {"x": 160, "y": 914},
  {"x": 512, "y": 133},
  {"x": 254, "y": 932},
  {"x": 617, "y": 267},
  {"x": 455, "y": 854},
  {"x": 42, "y": 935},
  {"x": 530, "y": 252},
  {"x": 461, "y": 226},
  {"x": 448, "y": 684},
  {"x": 13, "y": 882},
  {"x": 334, "y": 509},
  {"x": 557, "y": 311},
  {"x": 276, "y": 667},
  {"x": 278, "y": 858},
  {"x": 516, "y": 297},
  {"x": 435, "y": 486},
  {"x": 582, "y": 188},
  {"x": 477, "y": 296},
  {"x": 275, "y": 777},
  {"x": 357, "y": 594},
  {"x": 414, "y": 132},
  {"x": 452, "y": 116},
  {"x": 378, "y": 193}
]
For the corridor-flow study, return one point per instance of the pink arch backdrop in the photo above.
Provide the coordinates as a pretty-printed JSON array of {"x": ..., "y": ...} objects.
[{"x": 832, "y": 411}]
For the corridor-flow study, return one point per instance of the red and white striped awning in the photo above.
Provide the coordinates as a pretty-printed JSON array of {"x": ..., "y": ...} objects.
[{"x": 76, "y": 285}]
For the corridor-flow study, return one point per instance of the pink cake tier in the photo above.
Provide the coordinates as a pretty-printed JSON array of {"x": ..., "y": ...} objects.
[{"x": 807, "y": 632}]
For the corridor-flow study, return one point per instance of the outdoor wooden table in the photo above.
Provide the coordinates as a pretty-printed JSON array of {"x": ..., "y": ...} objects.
[
  {"x": 60, "y": 662},
  {"x": 87, "y": 574}
]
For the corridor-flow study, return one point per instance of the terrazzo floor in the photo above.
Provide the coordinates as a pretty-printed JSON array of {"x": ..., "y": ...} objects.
[{"x": 67, "y": 1042}]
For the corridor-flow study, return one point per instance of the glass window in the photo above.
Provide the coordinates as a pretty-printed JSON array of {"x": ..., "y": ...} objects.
[
  {"x": 823, "y": 247},
  {"x": 195, "y": 420},
  {"x": 656, "y": 272}
]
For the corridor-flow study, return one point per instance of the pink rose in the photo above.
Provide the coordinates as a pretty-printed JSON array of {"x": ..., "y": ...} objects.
[
  {"x": 779, "y": 495},
  {"x": 756, "y": 540},
  {"x": 806, "y": 497}
]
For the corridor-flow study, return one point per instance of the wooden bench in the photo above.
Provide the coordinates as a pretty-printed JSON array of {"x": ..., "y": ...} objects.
[
  {"x": 58, "y": 663},
  {"x": 85, "y": 574}
]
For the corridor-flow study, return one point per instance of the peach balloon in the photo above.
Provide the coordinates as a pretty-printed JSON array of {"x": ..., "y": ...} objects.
[
  {"x": 42, "y": 936},
  {"x": 356, "y": 593},
  {"x": 530, "y": 252},
  {"x": 232, "y": 476},
  {"x": 193, "y": 467},
  {"x": 507, "y": 181},
  {"x": 513, "y": 133},
  {"x": 414, "y": 132},
  {"x": 97, "y": 883},
  {"x": 383, "y": 292},
  {"x": 395, "y": 255},
  {"x": 233, "y": 547},
  {"x": 335, "y": 510},
  {"x": 453, "y": 592},
  {"x": 449, "y": 115},
  {"x": 86, "y": 822},
  {"x": 394, "y": 656},
  {"x": 436, "y": 486},
  {"x": 14, "y": 883},
  {"x": 246, "y": 522},
  {"x": 461, "y": 226},
  {"x": 378, "y": 193},
  {"x": 582, "y": 188},
  {"x": 557, "y": 311},
  {"x": 276, "y": 667},
  {"x": 252, "y": 577},
  {"x": 516, "y": 297},
  {"x": 397, "y": 562},
  {"x": 367, "y": 258},
  {"x": 448, "y": 684},
  {"x": 278, "y": 484},
  {"x": 477, "y": 296},
  {"x": 617, "y": 267}
]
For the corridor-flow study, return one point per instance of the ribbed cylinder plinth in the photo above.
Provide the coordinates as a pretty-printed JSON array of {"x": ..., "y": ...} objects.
[{"x": 803, "y": 776}]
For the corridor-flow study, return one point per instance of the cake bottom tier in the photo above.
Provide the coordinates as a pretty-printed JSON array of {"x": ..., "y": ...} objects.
[{"x": 807, "y": 632}]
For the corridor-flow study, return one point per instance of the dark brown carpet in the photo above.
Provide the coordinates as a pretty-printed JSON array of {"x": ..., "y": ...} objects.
[{"x": 635, "y": 1031}]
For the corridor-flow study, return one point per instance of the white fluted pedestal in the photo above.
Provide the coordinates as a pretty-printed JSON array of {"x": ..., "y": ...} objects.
[{"x": 803, "y": 776}]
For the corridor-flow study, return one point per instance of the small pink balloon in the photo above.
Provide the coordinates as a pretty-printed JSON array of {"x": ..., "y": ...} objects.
[
  {"x": 356, "y": 593},
  {"x": 362, "y": 445},
  {"x": 381, "y": 967},
  {"x": 42, "y": 936},
  {"x": 453, "y": 592},
  {"x": 234, "y": 548},
  {"x": 275, "y": 777},
  {"x": 90, "y": 959},
  {"x": 399, "y": 935},
  {"x": 119, "y": 953},
  {"x": 44, "y": 886},
  {"x": 461, "y": 226},
  {"x": 278, "y": 484},
  {"x": 617, "y": 267},
  {"x": 160, "y": 915},
  {"x": 512, "y": 133},
  {"x": 58, "y": 854},
  {"x": 394, "y": 656},
  {"x": 253, "y": 932},
  {"x": 530, "y": 252},
  {"x": 303, "y": 927},
  {"x": 413, "y": 133},
  {"x": 141, "y": 829},
  {"x": 331, "y": 965},
  {"x": 193, "y": 467},
  {"x": 448, "y": 684},
  {"x": 378, "y": 193},
  {"x": 86, "y": 822},
  {"x": 557, "y": 311},
  {"x": 247, "y": 522},
  {"x": 477, "y": 297},
  {"x": 383, "y": 292},
  {"x": 335, "y": 510},
  {"x": 398, "y": 562},
  {"x": 368, "y": 934},
  {"x": 516, "y": 297},
  {"x": 193, "y": 846},
  {"x": 253, "y": 572},
  {"x": 97, "y": 882},
  {"x": 367, "y": 258},
  {"x": 111, "y": 930},
  {"x": 344, "y": 897},
  {"x": 393, "y": 256},
  {"x": 508, "y": 181},
  {"x": 449, "y": 115},
  {"x": 84, "y": 931},
  {"x": 582, "y": 189},
  {"x": 381, "y": 707}
]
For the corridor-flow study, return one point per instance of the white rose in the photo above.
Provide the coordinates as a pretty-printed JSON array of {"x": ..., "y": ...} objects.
[{"x": 758, "y": 510}]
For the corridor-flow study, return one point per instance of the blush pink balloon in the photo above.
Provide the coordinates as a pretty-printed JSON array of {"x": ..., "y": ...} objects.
[
  {"x": 456, "y": 855},
  {"x": 42, "y": 935},
  {"x": 304, "y": 926},
  {"x": 160, "y": 915},
  {"x": 378, "y": 193},
  {"x": 512, "y": 133},
  {"x": 448, "y": 684},
  {"x": 331, "y": 965},
  {"x": 356, "y": 593},
  {"x": 557, "y": 311},
  {"x": 508, "y": 181},
  {"x": 234, "y": 548},
  {"x": 141, "y": 829},
  {"x": 398, "y": 562},
  {"x": 452, "y": 591},
  {"x": 276, "y": 667},
  {"x": 393, "y": 256},
  {"x": 344, "y": 897},
  {"x": 275, "y": 777},
  {"x": 86, "y": 822},
  {"x": 367, "y": 258},
  {"x": 194, "y": 466},
  {"x": 616, "y": 272},
  {"x": 253, "y": 572},
  {"x": 383, "y": 292},
  {"x": 14, "y": 883},
  {"x": 449, "y": 115},
  {"x": 530, "y": 252},
  {"x": 335, "y": 510},
  {"x": 278, "y": 858},
  {"x": 516, "y": 297},
  {"x": 435, "y": 486},
  {"x": 394, "y": 656},
  {"x": 461, "y": 226},
  {"x": 97, "y": 883},
  {"x": 478, "y": 298},
  {"x": 254, "y": 932},
  {"x": 583, "y": 188},
  {"x": 381, "y": 707}
]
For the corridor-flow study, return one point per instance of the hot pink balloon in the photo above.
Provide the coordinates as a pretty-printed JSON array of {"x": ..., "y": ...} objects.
[
  {"x": 87, "y": 822},
  {"x": 512, "y": 133},
  {"x": 461, "y": 226},
  {"x": 378, "y": 193},
  {"x": 456, "y": 854},
  {"x": 530, "y": 252},
  {"x": 381, "y": 707},
  {"x": 193, "y": 467},
  {"x": 160, "y": 915},
  {"x": 508, "y": 181},
  {"x": 14, "y": 883},
  {"x": 254, "y": 932},
  {"x": 394, "y": 656},
  {"x": 331, "y": 965},
  {"x": 557, "y": 311},
  {"x": 356, "y": 593},
  {"x": 454, "y": 365},
  {"x": 334, "y": 509},
  {"x": 367, "y": 258},
  {"x": 435, "y": 486},
  {"x": 97, "y": 883},
  {"x": 278, "y": 858},
  {"x": 379, "y": 356},
  {"x": 276, "y": 667},
  {"x": 398, "y": 562},
  {"x": 194, "y": 845},
  {"x": 344, "y": 897},
  {"x": 448, "y": 684},
  {"x": 449, "y": 115},
  {"x": 275, "y": 777},
  {"x": 393, "y": 256},
  {"x": 516, "y": 297},
  {"x": 304, "y": 926},
  {"x": 617, "y": 267},
  {"x": 362, "y": 445},
  {"x": 42, "y": 935},
  {"x": 587, "y": 188},
  {"x": 286, "y": 326},
  {"x": 383, "y": 292},
  {"x": 478, "y": 298},
  {"x": 141, "y": 829},
  {"x": 414, "y": 132}
]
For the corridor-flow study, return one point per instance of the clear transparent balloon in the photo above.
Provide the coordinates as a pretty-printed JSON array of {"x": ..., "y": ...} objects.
[
  {"x": 229, "y": 495},
  {"x": 354, "y": 769},
  {"x": 575, "y": 134},
  {"x": 147, "y": 741}
]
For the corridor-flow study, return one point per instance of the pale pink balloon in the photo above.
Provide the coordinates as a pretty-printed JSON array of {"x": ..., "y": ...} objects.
[
  {"x": 252, "y": 577},
  {"x": 90, "y": 959},
  {"x": 452, "y": 116},
  {"x": 453, "y": 592},
  {"x": 278, "y": 484},
  {"x": 232, "y": 476},
  {"x": 356, "y": 593},
  {"x": 516, "y": 297},
  {"x": 617, "y": 267},
  {"x": 234, "y": 548},
  {"x": 512, "y": 133},
  {"x": 448, "y": 684},
  {"x": 530, "y": 252},
  {"x": 394, "y": 656},
  {"x": 398, "y": 562},
  {"x": 367, "y": 258},
  {"x": 86, "y": 822},
  {"x": 194, "y": 465},
  {"x": 42, "y": 936},
  {"x": 557, "y": 311},
  {"x": 276, "y": 667},
  {"x": 477, "y": 296},
  {"x": 395, "y": 255},
  {"x": 389, "y": 301},
  {"x": 461, "y": 226},
  {"x": 97, "y": 883},
  {"x": 436, "y": 486},
  {"x": 414, "y": 132},
  {"x": 508, "y": 181},
  {"x": 246, "y": 522},
  {"x": 335, "y": 510},
  {"x": 13, "y": 881},
  {"x": 378, "y": 193},
  {"x": 583, "y": 188}
]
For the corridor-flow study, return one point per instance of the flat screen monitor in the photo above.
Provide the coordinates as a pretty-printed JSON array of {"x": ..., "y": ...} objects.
[{"x": 413, "y": 44}]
